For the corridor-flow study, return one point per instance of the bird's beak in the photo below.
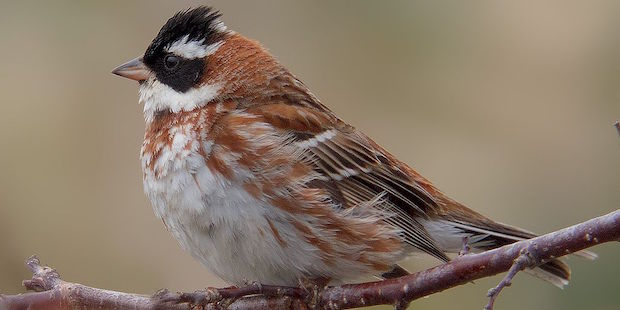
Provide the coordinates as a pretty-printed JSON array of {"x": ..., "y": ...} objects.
[{"x": 133, "y": 69}]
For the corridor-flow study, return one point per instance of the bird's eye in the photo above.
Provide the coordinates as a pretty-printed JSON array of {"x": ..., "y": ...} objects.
[{"x": 171, "y": 62}]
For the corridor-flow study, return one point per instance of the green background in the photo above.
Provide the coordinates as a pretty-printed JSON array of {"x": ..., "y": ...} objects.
[{"x": 507, "y": 106}]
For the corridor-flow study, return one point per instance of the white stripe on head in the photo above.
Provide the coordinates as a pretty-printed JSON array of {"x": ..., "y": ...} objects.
[
  {"x": 219, "y": 26},
  {"x": 192, "y": 49}
]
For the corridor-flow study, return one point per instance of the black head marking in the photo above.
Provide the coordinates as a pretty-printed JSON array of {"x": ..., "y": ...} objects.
[{"x": 199, "y": 24}]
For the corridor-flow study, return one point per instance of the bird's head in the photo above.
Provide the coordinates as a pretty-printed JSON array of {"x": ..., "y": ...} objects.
[{"x": 194, "y": 60}]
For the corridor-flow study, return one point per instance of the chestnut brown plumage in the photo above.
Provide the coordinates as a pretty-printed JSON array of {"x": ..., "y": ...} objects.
[{"x": 260, "y": 181}]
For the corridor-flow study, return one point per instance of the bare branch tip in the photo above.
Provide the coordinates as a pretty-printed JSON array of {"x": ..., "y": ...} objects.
[
  {"x": 524, "y": 260},
  {"x": 33, "y": 263},
  {"x": 32, "y": 285}
]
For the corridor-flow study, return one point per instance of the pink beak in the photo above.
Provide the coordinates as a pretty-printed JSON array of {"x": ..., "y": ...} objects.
[{"x": 133, "y": 69}]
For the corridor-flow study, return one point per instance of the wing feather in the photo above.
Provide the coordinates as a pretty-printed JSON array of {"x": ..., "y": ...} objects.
[{"x": 360, "y": 171}]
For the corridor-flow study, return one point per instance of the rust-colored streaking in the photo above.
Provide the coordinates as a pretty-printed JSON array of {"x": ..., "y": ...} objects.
[
  {"x": 375, "y": 265},
  {"x": 286, "y": 205},
  {"x": 198, "y": 122},
  {"x": 249, "y": 73},
  {"x": 276, "y": 234},
  {"x": 155, "y": 138},
  {"x": 253, "y": 189},
  {"x": 326, "y": 251},
  {"x": 292, "y": 117},
  {"x": 218, "y": 165},
  {"x": 243, "y": 67}
]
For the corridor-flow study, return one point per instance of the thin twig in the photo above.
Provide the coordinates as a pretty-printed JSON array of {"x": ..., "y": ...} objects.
[{"x": 523, "y": 261}]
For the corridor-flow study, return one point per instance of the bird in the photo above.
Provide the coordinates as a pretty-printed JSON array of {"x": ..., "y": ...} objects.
[{"x": 260, "y": 181}]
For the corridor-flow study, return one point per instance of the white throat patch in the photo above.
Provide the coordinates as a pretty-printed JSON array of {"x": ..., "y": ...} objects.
[{"x": 157, "y": 97}]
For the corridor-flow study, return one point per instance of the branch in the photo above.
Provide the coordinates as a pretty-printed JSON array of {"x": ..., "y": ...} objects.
[{"x": 53, "y": 293}]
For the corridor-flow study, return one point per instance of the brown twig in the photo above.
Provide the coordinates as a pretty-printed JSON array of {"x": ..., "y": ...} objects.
[
  {"x": 617, "y": 125},
  {"x": 54, "y": 293},
  {"x": 230, "y": 294},
  {"x": 523, "y": 261}
]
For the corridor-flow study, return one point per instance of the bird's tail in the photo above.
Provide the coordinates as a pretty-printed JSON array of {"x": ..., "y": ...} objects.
[{"x": 483, "y": 234}]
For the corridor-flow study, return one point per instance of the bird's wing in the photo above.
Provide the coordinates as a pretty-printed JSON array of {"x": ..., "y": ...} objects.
[{"x": 357, "y": 170}]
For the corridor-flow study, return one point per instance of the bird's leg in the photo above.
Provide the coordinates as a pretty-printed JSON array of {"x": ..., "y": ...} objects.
[
  {"x": 465, "y": 248},
  {"x": 313, "y": 288}
]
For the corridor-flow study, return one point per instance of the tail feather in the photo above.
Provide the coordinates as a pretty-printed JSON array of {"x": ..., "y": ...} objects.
[
  {"x": 396, "y": 272},
  {"x": 589, "y": 255},
  {"x": 486, "y": 234},
  {"x": 555, "y": 272}
]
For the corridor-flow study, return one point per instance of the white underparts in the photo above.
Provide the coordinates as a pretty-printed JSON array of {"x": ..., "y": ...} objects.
[{"x": 449, "y": 235}]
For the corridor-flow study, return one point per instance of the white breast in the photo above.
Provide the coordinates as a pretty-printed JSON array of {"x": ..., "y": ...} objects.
[{"x": 220, "y": 224}]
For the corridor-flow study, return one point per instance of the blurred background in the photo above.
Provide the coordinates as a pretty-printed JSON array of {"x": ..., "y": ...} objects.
[{"x": 506, "y": 106}]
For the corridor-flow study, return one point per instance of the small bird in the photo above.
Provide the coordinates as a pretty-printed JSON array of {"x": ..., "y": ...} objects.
[{"x": 260, "y": 181}]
